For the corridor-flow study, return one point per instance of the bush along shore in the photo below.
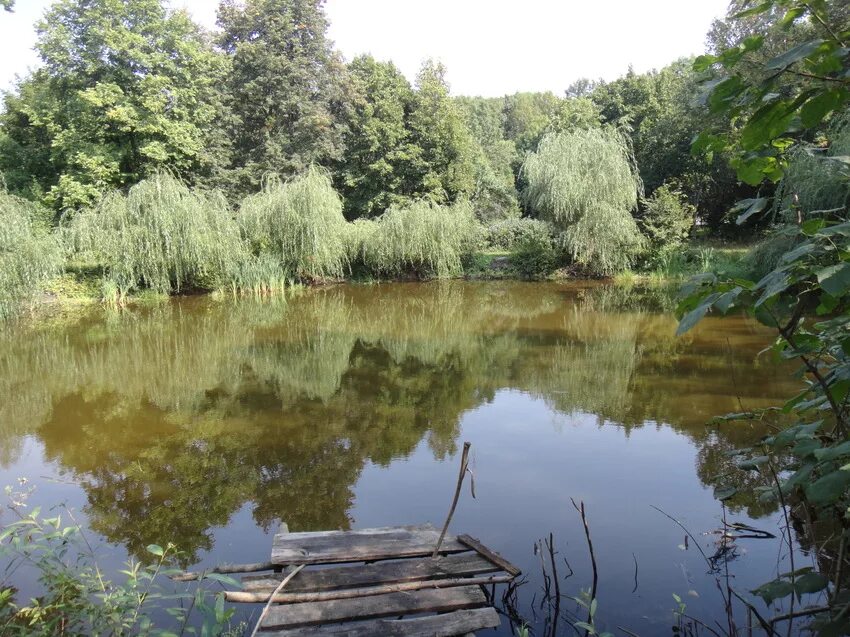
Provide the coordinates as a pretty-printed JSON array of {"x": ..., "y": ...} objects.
[{"x": 162, "y": 237}]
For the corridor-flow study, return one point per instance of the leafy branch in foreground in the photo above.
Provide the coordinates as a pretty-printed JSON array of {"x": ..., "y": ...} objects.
[
  {"x": 77, "y": 598},
  {"x": 798, "y": 90}
]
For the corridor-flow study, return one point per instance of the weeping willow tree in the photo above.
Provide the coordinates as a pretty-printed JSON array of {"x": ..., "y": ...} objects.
[
  {"x": 161, "y": 236},
  {"x": 586, "y": 184},
  {"x": 300, "y": 224},
  {"x": 29, "y": 253},
  {"x": 423, "y": 239}
]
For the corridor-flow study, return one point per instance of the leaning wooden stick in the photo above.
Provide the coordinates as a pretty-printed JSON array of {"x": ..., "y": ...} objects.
[
  {"x": 225, "y": 569},
  {"x": 353, "y": 593},
  {"x": 280, "y": 586},
  {"x": 464, "y": 465}
]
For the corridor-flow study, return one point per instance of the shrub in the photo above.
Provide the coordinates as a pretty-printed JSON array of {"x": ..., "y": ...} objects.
[
  {"x": 423, "y": 239},
  {"x": 300, "y": 223},
  {"x": 534, "y": 258},
  {"x": 510, "y": 234},
  {"x": 586, "y": 184},
  {"x": 29, "y": 252},
  {"x": 667, "y": 220},
  {"x": 78, "y": 598},
  {"x": 160, "y": 235}
]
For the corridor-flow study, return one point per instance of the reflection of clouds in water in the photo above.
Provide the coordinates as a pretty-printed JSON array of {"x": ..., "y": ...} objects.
[{"x": 174, "y": 415}]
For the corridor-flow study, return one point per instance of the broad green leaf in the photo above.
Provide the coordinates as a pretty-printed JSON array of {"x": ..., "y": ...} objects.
[
  {"x": 795, "y": 55},
  {"x": 777, "y": 589},
  {"x": 724, "y": 493},
  {"x": 756, "y": 10},
  {"x": 827, "y": 490},
  {"x": 808, "y": 583},
  {"x": 835, "y": 279},
  {"x": 155, "y": 549},
  {"x": 820, "y": 105},
  {"x": 750, "y": 207}
]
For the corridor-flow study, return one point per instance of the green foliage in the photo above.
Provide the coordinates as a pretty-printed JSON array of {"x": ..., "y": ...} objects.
[
  {"x": 29, "y": 253},
  {"x": 284, "y": 90},
  {"x": 534, "y": 257},
  {"x": 805, "y": 293},
  {"x": 443, "y": 168},
  {"x": 585, "y": 184},
  {"x": 127, "y": 88},
  {"x": 423, "y": 239},
  {"x": 527, "y": 117},
  {"x": 667, "y": 220},
  {"x": 299, "y": 223},
  {"x": 494, "y": 196},
  {"x": 160, "y": 235},
  {"x": 511, "y": 233},
  {"x": 78, "y": 598},
  {"x": 375, "y": 171},
  {"x": 796, "y": 89}
]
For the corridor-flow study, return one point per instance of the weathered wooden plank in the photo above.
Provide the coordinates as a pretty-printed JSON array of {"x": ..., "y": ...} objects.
[
  {"x": 459, "y": 622},
  {"x": 489, "y": 554},
  {"x": 351, "y": 593},
  {"x": 389, "y": 605},
  {"x": 409, "y": 570},
  {"x": 359, "y": 546}
]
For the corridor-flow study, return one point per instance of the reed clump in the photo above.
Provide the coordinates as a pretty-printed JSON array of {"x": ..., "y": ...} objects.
[
  {"x": 160, "y": 236},
  {"x": 300, "y": 224},
  {"x": 29, "y": 253},
  {"x": 422, "y": 239}
]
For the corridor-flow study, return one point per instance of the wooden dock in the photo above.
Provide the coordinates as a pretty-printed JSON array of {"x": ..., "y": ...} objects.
[{"x": 381, "y": 581}]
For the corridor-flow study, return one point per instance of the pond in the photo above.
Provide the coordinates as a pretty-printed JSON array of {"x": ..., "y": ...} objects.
[{"x": 205, "y": 422}]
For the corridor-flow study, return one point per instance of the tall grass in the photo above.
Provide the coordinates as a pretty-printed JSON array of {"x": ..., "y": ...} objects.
[
  {"x": 585, "y": 182},
  {"x": 160, "y": 235},
  {"x": 29, "y": 252},
  {"x": 423, "y": 239},
  {"x": 299, "y": 223}
]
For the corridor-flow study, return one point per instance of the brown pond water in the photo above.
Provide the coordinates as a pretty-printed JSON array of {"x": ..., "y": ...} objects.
[{"x": 205, "y": 422}]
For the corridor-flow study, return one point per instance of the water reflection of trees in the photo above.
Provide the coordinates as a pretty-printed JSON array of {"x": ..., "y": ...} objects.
[{"x": 173, "y": 416}]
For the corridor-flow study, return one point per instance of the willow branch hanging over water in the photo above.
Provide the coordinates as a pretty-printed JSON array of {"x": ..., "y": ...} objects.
[
  {"x": 29, "y": 253},
  {"x": 299, "y": 223},
  {"x": 160, "y": 235},
  {"x": 586, "y": 183}
]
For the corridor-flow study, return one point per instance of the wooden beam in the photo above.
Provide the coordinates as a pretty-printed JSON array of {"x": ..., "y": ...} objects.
[
  {"x": 387, "y": 572},
  {"x": 359, "y": 546},
  {"x": 389, "y": 605},
  {"x": 357, "y": 593},
  {"x": 458, "y": 622},
  {"x": 225, "y": 569},
  {"x": 489, "y": 554}
]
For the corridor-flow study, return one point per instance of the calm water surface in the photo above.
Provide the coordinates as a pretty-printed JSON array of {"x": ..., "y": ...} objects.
[{"x": 206, "y": 422}]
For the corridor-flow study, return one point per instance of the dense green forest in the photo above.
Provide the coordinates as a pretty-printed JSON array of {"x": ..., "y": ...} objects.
[{"x": 149, "y": 153}]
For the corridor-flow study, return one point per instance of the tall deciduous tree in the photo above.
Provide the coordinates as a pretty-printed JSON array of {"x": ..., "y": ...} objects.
[
  {"x": 126, "y": 89},
  {"x": 443, "y": 169},
  {"x": 375, "y": 171},
  {"x": 285, "y": 88}
]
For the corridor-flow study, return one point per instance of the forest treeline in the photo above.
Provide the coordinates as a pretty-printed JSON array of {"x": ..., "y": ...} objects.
[{"x": 169, "y": 157}]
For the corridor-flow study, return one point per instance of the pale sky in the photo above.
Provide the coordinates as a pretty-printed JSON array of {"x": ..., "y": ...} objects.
[{"x": 491, "y": 47}]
